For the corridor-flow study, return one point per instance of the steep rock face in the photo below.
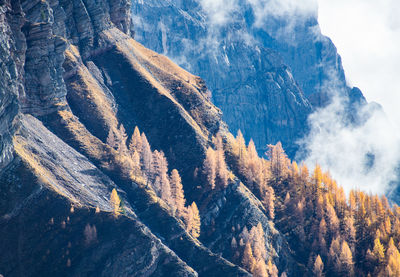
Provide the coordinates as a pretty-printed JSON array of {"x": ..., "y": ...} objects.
[
  {"x": 262, "y": 76},
  {"x": 228, "y": 212},
  {"x": 78, "y": 80},
  {"x": 48, "y": 25},
  {"x": 11, "y": 79}
]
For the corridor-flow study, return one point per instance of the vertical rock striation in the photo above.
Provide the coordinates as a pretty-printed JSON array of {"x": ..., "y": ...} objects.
[
  {"x": 267, "y": 72},
  {"x": 11, "y": 81}
]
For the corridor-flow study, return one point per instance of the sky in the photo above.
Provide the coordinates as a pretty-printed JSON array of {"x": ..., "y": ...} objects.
[{"x": 367, "y": 35}]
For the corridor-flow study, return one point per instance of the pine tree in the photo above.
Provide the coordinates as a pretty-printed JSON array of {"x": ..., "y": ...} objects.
[
  {"x": 349, "y": 231},
  {"x": 146, "y": 157},
  {"x": 188, "y": 219},
  {"x": 333, "y": 220},
  {"x": 248, "y": 260},
  {"x": 393, "y": 260},
  {"x": 122, "y": 148},
  {"x": 115, "y": 202},
  {"x": 195, "y": 228},
  {"x": 234, "y": 244},
  {"x": 269, "y": 201},
  {"x": 379, "y": 251},
  {"x": 346, "y": 260},
  {"x": 210, "y": 167},
  {"x": 112, "y": 139},
  {"x": 304, "y": 174},
  {"x": 334, "y": 253},
  {"x": 155, "y": 172},
  {"x": 317, "y": 176},
  {"x": 235, "y": 250},
  {"x": 318, "y": 267},
  {"x": 166, "y": 193},
  {"x": 257, "y": 242},
  {"x": 260, "y": 269},
  {"x": 136, "y": 170},
  {"x": 159, "y": 173},
  {"x": 321, "y": 237},
  {"x": 245, "y": 234},
  {"x": 135, "y": 143},
  {"x": 278, "y": 159},
  {"x": 252, "y": 164},
  {"x": 272, "y": 270},
  {"x": 90, "y": 233},
  {"x": 222, "y": 171},
  {"x": 252, "y": 152},
  {"x": 242, "y": 146},
  {"x": 295, "y": 171},
  {"x": 287, "y": 200},
  {"x": 177, "y": 192}
]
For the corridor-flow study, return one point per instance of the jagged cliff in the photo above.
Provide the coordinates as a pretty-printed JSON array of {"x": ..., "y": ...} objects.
[
  {"x": 267, "y": 67},
  {"x": 70, "y": 73}
]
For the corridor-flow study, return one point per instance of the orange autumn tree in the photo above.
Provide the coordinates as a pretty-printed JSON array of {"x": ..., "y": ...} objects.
[
  {"x": 318, "y": 217},
  {"x": 115, "y": 202}
]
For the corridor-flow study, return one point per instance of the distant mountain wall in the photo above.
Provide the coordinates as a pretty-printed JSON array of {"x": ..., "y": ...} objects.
[{"x": 267, "y": 65}]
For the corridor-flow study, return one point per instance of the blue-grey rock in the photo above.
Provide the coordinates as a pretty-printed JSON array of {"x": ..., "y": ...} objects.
[{"x": 265, "y": 79}]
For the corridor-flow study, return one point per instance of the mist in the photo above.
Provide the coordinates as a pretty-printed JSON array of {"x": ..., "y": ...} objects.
[
  {"x": 367, "y": 35},
  {"x": 363, "y": 157},
  {"x": 367, "y": 156}
]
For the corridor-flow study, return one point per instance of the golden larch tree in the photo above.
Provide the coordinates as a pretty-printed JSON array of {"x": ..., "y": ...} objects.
[
  {"x": 248, "y": 260},
  {"x": 135, "y": 144},
  {"x": 122, "y": 136},
  {"x": 192, "y": 219},
  {"x": 146, "y": 157},
  {"x": 393, "y": 260},
  {"x": 378, "y": 251},
  {"x": 346, "y": 260},
  {"x": 279, "y": 160},
  {"x": 241, "y": 145},
  {"x": 177, "y": 192},
  {"x": 272, "y": 269},
  {"x": 210, "y": 167},
  {"x": 260, "y": 269},
  {"x": 222, "y": 169},
  {"x": 318, "y": 268},
  {"x": 115, "y": 202}
]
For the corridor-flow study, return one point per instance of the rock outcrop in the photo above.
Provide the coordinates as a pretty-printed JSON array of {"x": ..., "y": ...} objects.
[{"x": 11, "y": 85}]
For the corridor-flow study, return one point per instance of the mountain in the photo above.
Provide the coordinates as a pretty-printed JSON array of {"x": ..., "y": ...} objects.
[
  {"x": 70, "y": 76},
  {"x": 115, "y": 162},
  {"x": 267, "y": 67}
]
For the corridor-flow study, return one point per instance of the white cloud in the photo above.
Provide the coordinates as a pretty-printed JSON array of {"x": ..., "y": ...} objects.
[
  {"x": 367, "y": 35},
  {"x": 219, "y": 12},
  {"x": 362, "y": 157},
  {"x": 263, "y": 9}
]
